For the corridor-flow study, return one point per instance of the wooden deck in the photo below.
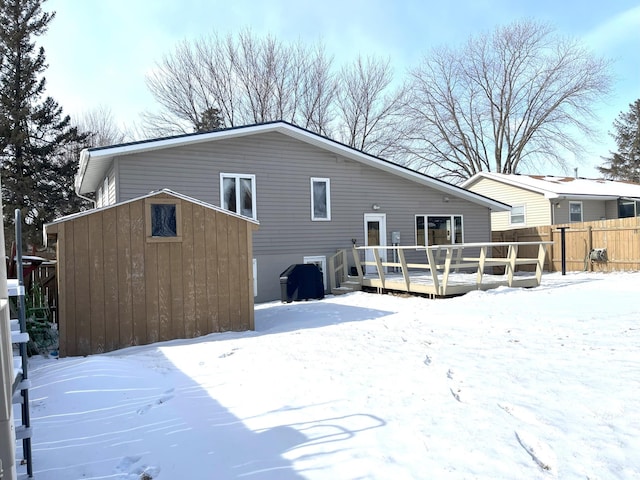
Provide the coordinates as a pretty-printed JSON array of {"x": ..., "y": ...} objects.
[{"x": 448, "y": 270}]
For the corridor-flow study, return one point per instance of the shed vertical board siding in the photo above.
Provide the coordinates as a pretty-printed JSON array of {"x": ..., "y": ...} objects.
[
  {"x": 62, "y": 278},
  {"x": 201, "y": 302},
  {"x": 211, "y": 261},
  {"x": 111, "y": 297},
  {"x": 82, "y": 286},
  {"x": 137, "y": 274},
  {"x": 188, "y": 271},
  {"x": 125, "y": 309},
  {"x": 283, "y": 167},
  {"x": 224, "y": 272},
  {"x": 176, "y": 312},
  {"x": 164, "y": 290},
  {"x": 96, "y": 281},
  {"x": 151, "y": 292},
  {"x": 235, "y": 273},
  {"x": 246, "y": 282}
]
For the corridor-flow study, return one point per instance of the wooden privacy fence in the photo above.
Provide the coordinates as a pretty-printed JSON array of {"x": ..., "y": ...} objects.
[{"x": 619, "y": 238}]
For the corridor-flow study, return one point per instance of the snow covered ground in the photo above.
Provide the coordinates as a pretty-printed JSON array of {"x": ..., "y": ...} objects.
[{"x": 504, "y": 384}]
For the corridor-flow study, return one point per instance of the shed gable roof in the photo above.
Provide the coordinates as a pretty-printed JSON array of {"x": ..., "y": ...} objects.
[
  {"x": 165, "y": 191},
  {"x": 94, "y": 162},
  {"x": 570, "y": 187}
]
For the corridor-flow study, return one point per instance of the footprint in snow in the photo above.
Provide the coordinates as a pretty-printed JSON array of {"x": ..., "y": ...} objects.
[
  {"x": 520, "y": 413},
  {"x": 456, "y": 387},
  {"x": 540, "y": 452}
]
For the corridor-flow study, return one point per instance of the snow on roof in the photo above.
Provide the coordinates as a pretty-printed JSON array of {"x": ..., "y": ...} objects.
[{"x": 553, "y": 186}]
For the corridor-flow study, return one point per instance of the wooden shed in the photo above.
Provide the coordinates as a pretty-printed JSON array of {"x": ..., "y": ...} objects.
[{"x": 159, "y": 267}]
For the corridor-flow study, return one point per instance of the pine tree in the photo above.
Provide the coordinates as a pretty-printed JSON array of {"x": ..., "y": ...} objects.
[
  {"x": 625, "y": 163},
  {"x": 37, "y": 142}
]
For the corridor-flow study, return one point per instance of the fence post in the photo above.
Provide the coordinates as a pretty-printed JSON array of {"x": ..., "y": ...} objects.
[
  {"x": 563, "y": 252},
  {"x": 589, "y": 247}
]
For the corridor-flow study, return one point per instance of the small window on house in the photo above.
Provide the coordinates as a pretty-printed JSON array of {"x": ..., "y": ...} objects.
[
  {"x": 321, "y": 262},
  {"x": 575, "y": 211},
  {"x": 238, "y": 193},
  {"x": 517, "y": 215},
  {"x": 320, "y": 199},
  {"x": 163, "y": 220},
  {"x": 439, "y": 230}
]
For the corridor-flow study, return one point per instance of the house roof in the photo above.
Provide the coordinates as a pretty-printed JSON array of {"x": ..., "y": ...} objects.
[
  {"x": 95, "y": 162},
  {"x": 166, "y": 191},
  {"x": 563, "y": 187}
]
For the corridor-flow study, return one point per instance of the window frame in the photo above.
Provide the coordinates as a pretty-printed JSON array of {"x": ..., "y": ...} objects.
[
  {"x": 322, "y": 260},
  {"x": 148, "y": 203},
  {"x": 571, "y": 220},
  {"x": 327, "y": 182},
  {"x": 237, "y": 177},
  {"x": 425, "y": 217},
  {"x": 523, "y": 214}
]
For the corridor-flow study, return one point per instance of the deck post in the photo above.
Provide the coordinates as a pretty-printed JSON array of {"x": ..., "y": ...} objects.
[
  {"x": 379, "y": 267},
  {"x": 332, "y": 273},
  {"x": 447, "y": 269},
  {"x": 433, "y": 267},
  {"x": 540, "y": 265},
  {"x": 481, "y": 260},
  {"x": 511, "y": 265},
  {"x": 405, "y": 270}
]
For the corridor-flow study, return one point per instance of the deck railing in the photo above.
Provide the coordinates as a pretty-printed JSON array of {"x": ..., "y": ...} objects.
[{"x": 447, "y": 269}]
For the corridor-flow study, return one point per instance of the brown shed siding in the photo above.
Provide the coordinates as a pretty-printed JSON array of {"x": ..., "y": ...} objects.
[{"x": 117, "y": 289}]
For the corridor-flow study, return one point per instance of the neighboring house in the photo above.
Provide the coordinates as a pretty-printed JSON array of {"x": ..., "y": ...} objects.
[
  {"x": 311, "y": 195},
  {"x": 547, "y": 200},
  {"x": 158, "y": 267}
]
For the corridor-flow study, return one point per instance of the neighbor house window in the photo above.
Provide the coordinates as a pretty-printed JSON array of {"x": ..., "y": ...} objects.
[
  {"x": 439, "y": 229},
  {"x": 628, "y": 208},
  {"x": 320, "y": 199},
  {"x": 163, "y": 220},
  {"x": 517, "y": 215},
  {"x": 575, "y": 211},
  {"x": 238, "y": 193}
]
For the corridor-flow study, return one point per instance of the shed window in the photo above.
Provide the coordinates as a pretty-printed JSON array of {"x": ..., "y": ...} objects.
[
  {"x": 575, "y": 211},
  {"x": 238, "y": 193},
  {"x": 163, "y": 220},
  {"x": 320, "y": 199},
  {"x": 517, "y": 215}
]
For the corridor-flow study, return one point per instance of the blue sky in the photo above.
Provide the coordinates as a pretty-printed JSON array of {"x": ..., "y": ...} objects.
[{"x": 99, "y": 51}]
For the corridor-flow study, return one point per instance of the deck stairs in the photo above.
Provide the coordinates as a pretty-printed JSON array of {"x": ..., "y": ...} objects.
[{"x": 351, "y": 284}]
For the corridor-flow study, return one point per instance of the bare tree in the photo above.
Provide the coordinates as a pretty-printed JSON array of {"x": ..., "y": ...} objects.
[
  {"x": 367, "y": 107},
  {"x": 101, "y": 128},
  {"x": 519, "y": 96},
  {"x": 245, "y": 79}
]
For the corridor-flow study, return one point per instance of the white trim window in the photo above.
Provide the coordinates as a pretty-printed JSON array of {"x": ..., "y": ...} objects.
[
  {"x": 517, "y": 216},
  {"x": 320, "y": 199},
  {"x": 439, "y": 229},
  {"x": 575, "y": 211},
  {"x": 321, "y": 262},
  {"x": 238, "y": 194}
]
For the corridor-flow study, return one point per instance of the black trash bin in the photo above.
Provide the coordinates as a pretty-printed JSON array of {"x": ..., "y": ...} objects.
[{"x": 301, "y": 281}]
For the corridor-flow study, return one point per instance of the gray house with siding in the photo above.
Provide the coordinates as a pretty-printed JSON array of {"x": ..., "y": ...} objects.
[{"x": 311, "y": 195}]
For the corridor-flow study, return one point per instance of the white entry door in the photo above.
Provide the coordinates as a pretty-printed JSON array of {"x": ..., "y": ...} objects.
[{"x": 375, "y": 233}]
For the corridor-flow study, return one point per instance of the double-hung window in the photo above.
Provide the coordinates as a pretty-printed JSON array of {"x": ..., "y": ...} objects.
[
  {"x": 575, "y": 211},
  {"x": 238, "y": 194},
  {"x": 517, "y": 215},
  {"x": 320, "y": 199}
]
